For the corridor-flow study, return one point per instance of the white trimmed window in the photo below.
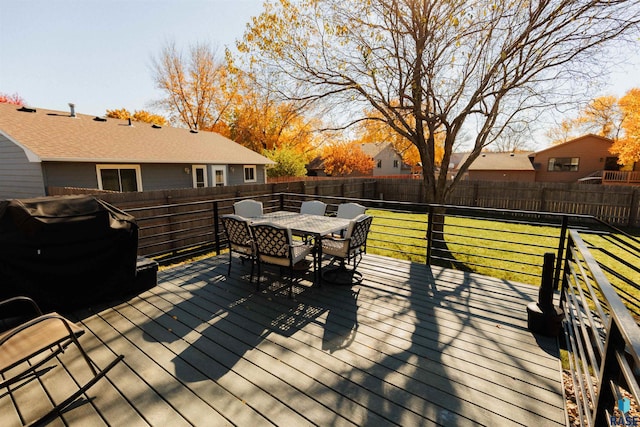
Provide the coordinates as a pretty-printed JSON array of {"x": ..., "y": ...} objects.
[
  {"x": 219, "y": 176},
  {"x": 120, "y": 178},
  {"x": 199, "y": 176},
  {"x": 250, "y": 174}
]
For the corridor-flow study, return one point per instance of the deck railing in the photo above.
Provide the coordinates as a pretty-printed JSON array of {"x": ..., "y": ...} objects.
[
  {"x": 602, "y": 333},
  {"x": 621, "y": 177},
  {"x": 602, "y": 338}
]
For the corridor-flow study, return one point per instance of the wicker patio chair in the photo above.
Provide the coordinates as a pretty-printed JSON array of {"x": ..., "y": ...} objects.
[
  {"x": 240, "y": 240},
  {"x": 275, "y": 245},
  {"x": 347, "y": 249},
  {"x": 313, "y": 207},
  {"x": 248, "y": 208}
]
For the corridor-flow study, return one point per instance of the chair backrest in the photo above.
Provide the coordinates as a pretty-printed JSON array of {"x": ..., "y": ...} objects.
[
  {"x": 248, "y": 208},
  {"x": 358, "y": 231},
  {"x": 272, "y": 240},
  {"x": 313, "y": 207},
  {"x": 350, "y": 210},
  {"x": 237, "y": 229}
]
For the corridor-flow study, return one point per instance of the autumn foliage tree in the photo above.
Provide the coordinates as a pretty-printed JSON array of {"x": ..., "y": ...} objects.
[
  {"x": 342, "y": 159},
  {"x": 627, "y": 146},
  {"x": 197, "y": 86},
  {"x": 137, "y": 116},
  {"x": 608, "y": 116},
  {"x": 459, "y": 67},
  {"x": 11, "y": 99}
]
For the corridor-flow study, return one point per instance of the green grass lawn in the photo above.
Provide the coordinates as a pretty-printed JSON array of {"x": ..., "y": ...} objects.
[{"x": 497, "y": 248}]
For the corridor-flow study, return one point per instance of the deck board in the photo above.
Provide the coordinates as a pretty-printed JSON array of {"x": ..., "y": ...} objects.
[{"x": 410, "y": 345}]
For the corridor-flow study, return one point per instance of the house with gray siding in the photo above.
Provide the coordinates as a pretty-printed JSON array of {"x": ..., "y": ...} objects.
[
  {"x": 386, "y": 159},
  {"x": 45, "y": 148}
]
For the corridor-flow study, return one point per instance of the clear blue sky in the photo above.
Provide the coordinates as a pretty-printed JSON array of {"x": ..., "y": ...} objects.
[{"x": 97, "y": 53}]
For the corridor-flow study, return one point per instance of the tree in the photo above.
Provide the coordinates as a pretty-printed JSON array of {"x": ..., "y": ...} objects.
[
  {"x": 11, "y": 99},
  {"x": 375, "y": 129},
  {"x": 138, "y": 116},
  {"x": 260, "y": 121},
  {"x": 341, "y": 159},
  {"x": 452, "y": 66},
  {"x": 627, "y": 146},
  {"x": 289, "y": 162},
  {"x": 198, "y": 88}
]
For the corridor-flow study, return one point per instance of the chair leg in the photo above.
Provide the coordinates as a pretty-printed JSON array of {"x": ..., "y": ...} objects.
[
  {"x": 62, "y": 405},
  {"x": 230, "y": 260}
]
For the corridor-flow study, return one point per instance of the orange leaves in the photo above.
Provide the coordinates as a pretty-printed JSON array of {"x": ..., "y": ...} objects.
[
  {"x": 138, "y": 116},
  {"x": 343, "y": 159},
  {"x": 627, "y": 147},
  {"x": 11, "y": 99}
]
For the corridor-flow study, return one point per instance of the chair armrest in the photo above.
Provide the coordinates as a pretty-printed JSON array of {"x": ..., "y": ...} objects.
[
  {"x": 20, "y": 299},
  {"x": 72, "y": 331}
]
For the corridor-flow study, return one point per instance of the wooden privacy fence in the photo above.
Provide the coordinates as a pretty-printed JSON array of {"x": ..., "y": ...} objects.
[{"x": 616, "y": 205}]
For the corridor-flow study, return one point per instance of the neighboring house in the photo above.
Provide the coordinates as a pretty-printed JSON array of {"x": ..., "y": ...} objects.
[
  {"x": 42, "y": 148},
  {"x": 575, "y": 159},
  {"x": 386, "y": 160},
  {"x": 316, "y": 167},
  {"x": 502, "y": 167}
]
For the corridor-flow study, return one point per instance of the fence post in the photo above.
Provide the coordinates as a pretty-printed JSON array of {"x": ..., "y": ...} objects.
[{"x": 633, "y": 209}]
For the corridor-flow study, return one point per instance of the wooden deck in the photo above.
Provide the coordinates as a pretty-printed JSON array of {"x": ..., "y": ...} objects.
[{"x": 411, "y": 345}]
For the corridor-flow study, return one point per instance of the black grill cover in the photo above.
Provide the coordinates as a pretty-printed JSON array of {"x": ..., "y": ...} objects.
[{"x": 66, "y": 252}]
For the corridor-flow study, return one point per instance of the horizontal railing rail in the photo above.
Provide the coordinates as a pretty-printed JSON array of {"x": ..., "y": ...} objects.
[
  {"x": 595, "y": 263},
  {"x": 602, "y": 339}
]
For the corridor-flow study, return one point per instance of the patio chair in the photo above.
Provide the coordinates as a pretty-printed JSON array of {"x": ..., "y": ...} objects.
[
  {"x": 349, "y": 248},
  {"x": 26, "y": 348},
  {"x": 313, "y": 207},
  {"x": 275, "y": 245},
  {"x": 350, "y": 210},
  {"x": 240, "y": 240},
  {"x": 248, "y": 208}
]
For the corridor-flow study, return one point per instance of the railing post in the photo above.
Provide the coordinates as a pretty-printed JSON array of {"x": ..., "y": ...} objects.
[
  {"x": 609, "y": 371},
  {"x": 281, "y": 198},
  {"x": 543, "y": 317},
  {"x": 561, "y": 246},
  {"x": 216, "y": 227},
  {"x": 429, "y": 233}
]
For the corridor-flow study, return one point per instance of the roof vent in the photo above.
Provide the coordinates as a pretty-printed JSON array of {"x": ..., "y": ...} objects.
[
  {"x": 72, "y": 106},
  {"x": 99, "y": 119},
  {"x": 155, "y": 126},
  {"x": 129, "y": 119},
  {"x": 512, "y": 154},
  {"x": 27, "y": 110}
]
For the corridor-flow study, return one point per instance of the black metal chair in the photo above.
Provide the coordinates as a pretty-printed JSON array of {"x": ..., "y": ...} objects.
[
  {"x": 275, "y": 246},
  {"x": 240, "y": 240},
  {"x": 349, "y": 248}
]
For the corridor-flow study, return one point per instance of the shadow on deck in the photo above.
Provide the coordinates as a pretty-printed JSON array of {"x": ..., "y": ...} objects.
[{"x": 411, "y": 345}]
